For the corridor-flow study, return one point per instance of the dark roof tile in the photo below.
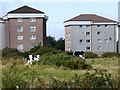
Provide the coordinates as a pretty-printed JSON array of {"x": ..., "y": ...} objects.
[
  {"x": 25, "y": 9},
  {"x": 90, "y": 17}
]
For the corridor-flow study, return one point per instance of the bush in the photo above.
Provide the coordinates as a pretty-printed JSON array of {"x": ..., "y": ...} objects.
[
  {"x": 44, "y": 50},
  {"x": 11, "y": 53},
  {"x": 110, "y": 55},
  {"x": 76, "y": 65},
  {"x": 98, "y": 79},
  {"x": 90, "y": 55},
  {"x": 65, "y": 60}
]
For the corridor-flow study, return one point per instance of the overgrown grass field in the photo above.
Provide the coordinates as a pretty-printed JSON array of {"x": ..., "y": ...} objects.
[{"x": 39, "y": 75}]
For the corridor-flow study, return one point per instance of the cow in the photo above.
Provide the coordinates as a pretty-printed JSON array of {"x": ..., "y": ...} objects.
[
  {"x": 80, "y": 54},
  {"x": 31, "y": 58}
]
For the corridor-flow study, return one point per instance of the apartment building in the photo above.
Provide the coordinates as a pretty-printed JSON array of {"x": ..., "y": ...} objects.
[
  {"x": 2, "y": 34},
  {"x": 25, "y": 27},
  {"x": 90, "y": 33},
  {"x": 119, "y": 37}
]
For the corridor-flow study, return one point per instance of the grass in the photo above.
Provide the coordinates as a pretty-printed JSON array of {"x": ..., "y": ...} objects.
[{"x": 46, "y": 72}]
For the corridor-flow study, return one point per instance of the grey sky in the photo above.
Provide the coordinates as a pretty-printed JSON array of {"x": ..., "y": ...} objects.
[{"x": 61, "y": 11}]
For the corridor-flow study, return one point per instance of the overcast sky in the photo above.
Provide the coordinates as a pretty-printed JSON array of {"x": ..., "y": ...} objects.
[{"x": 59, "y": 12}]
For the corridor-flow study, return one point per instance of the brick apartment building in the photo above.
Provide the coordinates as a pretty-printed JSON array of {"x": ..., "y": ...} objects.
[
  {"x": 91, "y": 33},
  {"x": 25, "y": 27}
]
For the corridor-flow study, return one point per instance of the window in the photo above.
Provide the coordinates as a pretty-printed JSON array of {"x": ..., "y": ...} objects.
[
  {"x": 87, "y": 33},
  {"x": 19, "y": 37},
  {"x": 80, "y": 26},
  {"x": 32, "y": 28},
  {"x": 106, "y": 40},
  {"x": 32, "y": 37},
  {"x": 99, "y": 48},
  {"x": 32, "y": 45},
  {"x": 69, "y": 41},
  {"x": 81, "y": 40},
  {"x": 87, "y": 41},
  {"x": 19, "y": 20},
  {"x": 99, "y": 40},
  {"x": 19, "y": 46},
  {"x": 32, "y": 19},
  {"x": 99, "y": 26},
  {"x": 87, "y": 26},
  {"x": 87, "y": 48},
  {"x": 98, "y": 33},
  {"x": 106, "y": 26},
  {"x": 20, "y": 29}
]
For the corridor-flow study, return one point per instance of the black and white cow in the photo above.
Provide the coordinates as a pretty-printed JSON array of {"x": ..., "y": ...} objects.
[
  {"x": 31, "y": 58},
  {"x": 80, "y": 54}
]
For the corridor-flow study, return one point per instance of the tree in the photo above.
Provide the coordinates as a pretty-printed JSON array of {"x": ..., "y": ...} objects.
[{"x": 60, "y": 44}]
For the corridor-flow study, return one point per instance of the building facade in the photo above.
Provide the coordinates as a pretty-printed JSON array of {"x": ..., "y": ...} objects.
[
  {"x": 90, "y": 33},
  {"x": 2, "y": 34},
  {"x": 25, "y": 27}
]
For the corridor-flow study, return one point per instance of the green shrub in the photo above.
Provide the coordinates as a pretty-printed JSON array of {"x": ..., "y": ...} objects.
[
  {"x": 76, "y": 64},
  {"x": 65, "y": 60},
  {"x": 44, "y": 50},
  {"x": 11, "y": 53},
  {"x": 90, "y": 55},
  {"x": 110, "y": 55},
  {"x": 98, "y": 79}
]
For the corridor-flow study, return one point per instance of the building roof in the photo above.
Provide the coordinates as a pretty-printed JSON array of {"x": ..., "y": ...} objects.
[
  {"x": 25, "y": 9},
  {"x": 90, "y": 17}
]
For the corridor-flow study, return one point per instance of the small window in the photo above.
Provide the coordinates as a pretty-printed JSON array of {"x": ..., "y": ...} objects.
[
  {"x": 106, "y": 26},
  {"x": 32, "y": 45},
  {"x": 98, "y": 33},
  {"x": 19, "y": 37},
  {"x": 87, "y": 26},
  {"x": 106, "y": 40},
  {"x": 20, "y": 29},
  {"x": 87, "y": 48},
  {"x": 87, "y": 41},
  {"x": 99, "y": 26},
  {"x": 99, "y": 48},
  {"x": 32, "y": 37},
  {"x": 32, "y": 19},
  {"x": 99, "y": 40},
  {"x": 80, "y": 26},
  {"x": 87, "y": 33},
  {"x": 19, "y": 46},
  {"x": 32, "y": 28},
  {"x": 19, "y": 20},
  {"x": 81, "y": 40}
]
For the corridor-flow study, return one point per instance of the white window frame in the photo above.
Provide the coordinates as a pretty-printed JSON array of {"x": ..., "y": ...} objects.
[
  {"x": 87, "y": 40},
  {"x": 19, "y": 19},
  {"x": 80, "y": 26},
  {"x": 19, "y": 29},
  {"x": 105, "y": 40},
  {"x": 82, "y": 40},
  {"x": 99, "y": 47},
  {"x": 20, "y": 46},
  {"x": 31, "y": 45},
  {"x": 99, "y": 41},
  {"x": 32, "y": 19},
  {"x": 88, "y": 34},
  {"x": 32, "y": 37},
  {"x": 87, "y": 26},
  {"x": 32, "y": 28},
  {"x": 19, "y": 37},
  {"x": 107, "y": 26},
  {"x": 87, "y": 49},
  {"x": 99, "y": 27},
  {"x": 98, "y": 34}
]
